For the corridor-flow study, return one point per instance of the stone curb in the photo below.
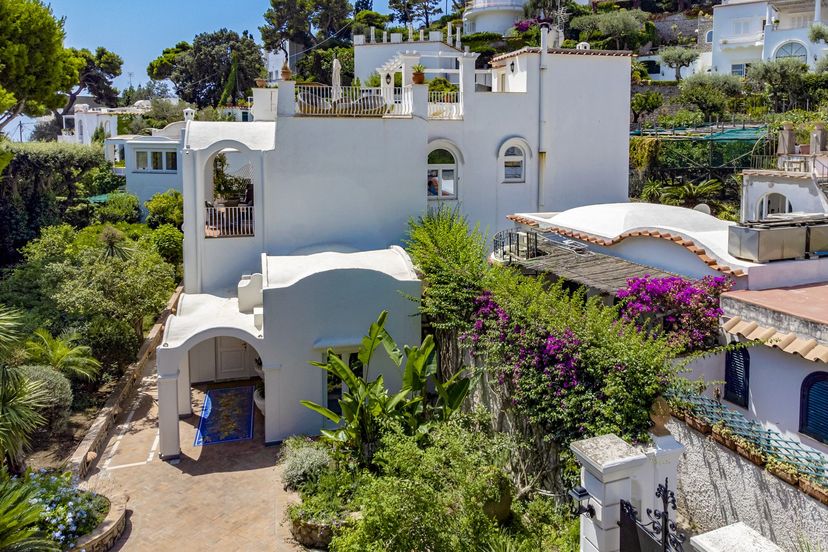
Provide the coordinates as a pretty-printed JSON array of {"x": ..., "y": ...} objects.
[{"x": 111, "y": 528}]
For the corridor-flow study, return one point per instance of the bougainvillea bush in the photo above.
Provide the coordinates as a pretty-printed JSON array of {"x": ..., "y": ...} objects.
[{"x": 686, "y": 311}]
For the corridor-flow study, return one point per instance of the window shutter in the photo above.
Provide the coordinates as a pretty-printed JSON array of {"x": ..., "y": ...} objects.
[
  {"x": 815, "y": 423},
  {"x": 737, "y": 373}
]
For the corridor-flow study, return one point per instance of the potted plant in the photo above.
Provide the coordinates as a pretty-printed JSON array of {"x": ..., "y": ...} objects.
[
  {"x": 723, "y": 435},
  {"x": 286, "y": 72},
  {"x": 259, "y": 396},
  {"x": 418, "y": 74},
  {"x": 775, "y": 24},
  {"x": 813, "y": 489},
  {"x": 784, "y": 471},
  {"x": 750, "y": 451}
]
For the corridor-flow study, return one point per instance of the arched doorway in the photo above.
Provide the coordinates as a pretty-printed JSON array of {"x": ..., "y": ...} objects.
[{"x": 773, "y": 204}]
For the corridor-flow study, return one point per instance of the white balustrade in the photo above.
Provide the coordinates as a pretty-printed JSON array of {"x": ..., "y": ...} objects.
[
  {"x": 228, "y": 222},
  {"x": 351, "y": 101},
  {"x": 444, "y": 105}
]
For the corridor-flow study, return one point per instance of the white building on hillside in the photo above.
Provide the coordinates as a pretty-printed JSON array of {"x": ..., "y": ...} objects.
[
  {"x": 747, "y": 31},
  {"x": 88, "y": 119},
  {"x": 491, "y": 16},
  {"x": 305, "y": 258}
]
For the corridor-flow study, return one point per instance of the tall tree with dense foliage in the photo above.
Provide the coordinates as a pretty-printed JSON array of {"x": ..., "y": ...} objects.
[
  {"x": 306, "y": 22},
  {"x": 427, "y": 10},
  {"x": 621, "y": 27},
  {"x": 710, "y": 93},
  {"x": 200, "y": 72},
  {"x": 782, "y": 79},
  {"x": 677, "y": 57},
  {"x": 95, "y": 77},
  {"x": 34, "y": 65}
]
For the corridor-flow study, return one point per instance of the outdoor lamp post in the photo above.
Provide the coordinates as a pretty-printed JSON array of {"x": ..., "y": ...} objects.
[{"x": 580, "y": 502}]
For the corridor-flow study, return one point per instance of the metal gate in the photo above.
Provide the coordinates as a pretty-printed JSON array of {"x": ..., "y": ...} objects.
[{"x": 659, "y": 534}]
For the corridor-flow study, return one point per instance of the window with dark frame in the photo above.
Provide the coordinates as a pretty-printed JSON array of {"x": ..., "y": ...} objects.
[
  {"x": 813, "y": 413},
  {"x": 737, "y": 376}
]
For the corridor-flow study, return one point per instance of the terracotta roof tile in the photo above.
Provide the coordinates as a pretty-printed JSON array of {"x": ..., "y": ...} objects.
[{"x": 807, "y": 348}]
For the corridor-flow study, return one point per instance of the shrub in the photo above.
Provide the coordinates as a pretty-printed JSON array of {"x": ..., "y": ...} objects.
[
  {"x": 68, "y": 512},
  {"x": 120, "y": 207},
  {"x": 113, "y": 342},
  {"x": 58, "y": 395},
  {"x": 166, "y": 208},
  {"x": 104, "y": 181},
  {"x": 303, "y": 462},
  {"x": 169, "y": 242}
]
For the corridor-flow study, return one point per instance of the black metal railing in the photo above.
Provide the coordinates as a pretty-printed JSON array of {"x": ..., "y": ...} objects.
[{"x": 513, "y": 244}]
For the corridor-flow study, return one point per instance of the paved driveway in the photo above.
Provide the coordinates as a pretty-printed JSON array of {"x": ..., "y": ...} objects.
[{"x": 224, "y": 497}]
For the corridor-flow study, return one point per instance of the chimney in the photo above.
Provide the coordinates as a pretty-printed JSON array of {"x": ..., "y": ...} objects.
[{"x": 189, "y": 114}]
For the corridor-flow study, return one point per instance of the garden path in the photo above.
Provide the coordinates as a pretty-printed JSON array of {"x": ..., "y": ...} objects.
[{"x": 224, "y": 497}]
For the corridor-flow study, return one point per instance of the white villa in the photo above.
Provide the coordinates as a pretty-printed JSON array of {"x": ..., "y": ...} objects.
[
  {"x": 307, "y": 259},
  {"x": 88, "y": 119}
]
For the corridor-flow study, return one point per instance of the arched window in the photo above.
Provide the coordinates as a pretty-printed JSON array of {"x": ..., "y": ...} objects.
[
  {"x": 737, "y": 376},
  {"x": 813, "y": 409},
  {"x": 772, "y": 204},
  {"x": 708, "y": 37},
  {"x": 792, "y": 50},
  {"x": 442, "y": 175},
  {"x": 514, "y": 167}
]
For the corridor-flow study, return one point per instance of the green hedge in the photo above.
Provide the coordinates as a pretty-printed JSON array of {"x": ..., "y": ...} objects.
[
  {"x": 58, "y": 399},
  {"x": 40, "y": 182}
]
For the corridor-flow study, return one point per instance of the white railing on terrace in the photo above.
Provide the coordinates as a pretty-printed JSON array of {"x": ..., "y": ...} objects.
[
  {"x": 228, "y": 222},
  {"x": 351, "y": 101},
  {"x": 444, "y": 105},
  {"x": 482, "y": 4}
]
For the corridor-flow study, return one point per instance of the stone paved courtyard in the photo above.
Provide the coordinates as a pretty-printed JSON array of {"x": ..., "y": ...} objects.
[{"x": 219, "y": 497}]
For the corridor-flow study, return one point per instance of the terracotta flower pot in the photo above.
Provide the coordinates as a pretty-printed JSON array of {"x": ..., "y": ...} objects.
[
  {"x": 261, "y": 83},
  {"x": 787, "y": 477},
  {"x": 418, "y": 78}
]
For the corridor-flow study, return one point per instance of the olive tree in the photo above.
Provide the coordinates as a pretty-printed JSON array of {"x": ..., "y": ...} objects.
[
  {"x": 710, "y": 93},
  {"x": 644, "y": 103},
  {"x": 677, "y": 57},
  {"x": 782, "y": 79}
]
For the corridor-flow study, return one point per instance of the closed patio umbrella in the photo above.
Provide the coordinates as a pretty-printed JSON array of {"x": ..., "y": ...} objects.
[{"x": 336, "y": 80}]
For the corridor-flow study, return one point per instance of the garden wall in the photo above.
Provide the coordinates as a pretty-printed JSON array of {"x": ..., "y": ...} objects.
[
  {"x": 668, "y": 92},
  {"x": 92, "y": 443},
  {"x": 718, "y": 487}
]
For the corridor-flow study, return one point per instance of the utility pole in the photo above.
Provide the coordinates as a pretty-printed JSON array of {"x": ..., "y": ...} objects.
[{"x": 130, "y": 78}]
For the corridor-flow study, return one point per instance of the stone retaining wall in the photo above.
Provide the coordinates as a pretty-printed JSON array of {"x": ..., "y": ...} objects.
[
  {"x": 717, "y": 487},
  {"x": 90, "y": 447},
  {"x": 110, "y": 529}
]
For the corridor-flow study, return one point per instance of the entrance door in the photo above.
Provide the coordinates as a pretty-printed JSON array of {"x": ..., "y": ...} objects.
[{"x": 231, "y": 359}]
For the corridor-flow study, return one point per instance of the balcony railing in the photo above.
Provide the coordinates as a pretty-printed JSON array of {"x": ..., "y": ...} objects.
[
  {"x": 228, "y": 222},
  {"x": 352, "y": 101},
  {"x": 444, "y": 105}
]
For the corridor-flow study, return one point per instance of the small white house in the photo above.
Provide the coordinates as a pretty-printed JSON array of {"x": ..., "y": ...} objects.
[{"x": 88, "y": 119}]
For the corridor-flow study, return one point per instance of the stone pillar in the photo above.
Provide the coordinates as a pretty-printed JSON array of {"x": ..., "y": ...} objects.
[
  {"x": 787, "y": 140},
  {"x": 467, "y": 86},
  {"x": 385, "y": 36},
  {"x": 264, "y": 104},
  {"x": 373, "y": 35},
  {"x": 457, "y": 43},
  {"x": 422, "y": 35},
  {"x": 737, "y": 537},
  {"x": 818, "y": 11},
  {"x": 419, "y": 100},
  {"x": 818, "y": 138},
  {"x": 410, "y": 32},
  {"x": 409, "y": 59},
  {"x": 448, "y": 36},
  {"x": 387, "y": 88},
  {"x": 286, "y": 102},
  {"x": 185, "y": 402},
  {"x": 167, "y": 363},
  {"x": 664, "y": 457},
  {"x": 608, "y": 464}
]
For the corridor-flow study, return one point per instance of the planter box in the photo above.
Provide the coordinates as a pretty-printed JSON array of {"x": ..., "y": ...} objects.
[
  {"x": 699, "y": 424},
  {"x": 789, "y": 478},
  {"x": 751, "y": 455},
  {"x": 813, "y": 490},
  {"x": 723, "y": 440},
  {"x": 103, "y": 537}
]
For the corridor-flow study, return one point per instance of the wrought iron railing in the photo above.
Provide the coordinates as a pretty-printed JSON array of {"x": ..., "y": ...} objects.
[
  {"x": 228, "y": 222},
  {"x": 444, "y": 105},
  {"x": 512, "y": 244},
  {"x": 808, "y": 461}
]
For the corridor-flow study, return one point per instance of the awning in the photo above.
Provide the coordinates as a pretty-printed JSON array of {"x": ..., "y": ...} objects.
[
  {"x": 807, "y": 348},
  {"x": 605, "y": 273}
]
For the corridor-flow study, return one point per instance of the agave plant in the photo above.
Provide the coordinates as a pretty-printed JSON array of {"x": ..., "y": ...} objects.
[
  {"x": 19, "y": 516},
  {"x": 10, "y": 334},
  {"x": 62, "y": 354}
]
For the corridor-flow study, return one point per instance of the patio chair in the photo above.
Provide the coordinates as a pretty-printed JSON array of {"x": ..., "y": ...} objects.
[
  {"x": 311, "y": 104},
  {"x": 369, "y": 105}
]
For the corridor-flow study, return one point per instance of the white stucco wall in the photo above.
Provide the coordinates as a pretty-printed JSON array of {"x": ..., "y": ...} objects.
[
  {"x": 147, "y": 183},
  {"x": 733, "y": 43},
  {"x": 330, "y": 308},
  {"x": 804, "y": 195},
  {"x": 497, "y": 19}
]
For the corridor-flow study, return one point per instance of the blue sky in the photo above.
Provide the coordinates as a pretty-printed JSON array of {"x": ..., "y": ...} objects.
[{"x": 138, "y": 30}]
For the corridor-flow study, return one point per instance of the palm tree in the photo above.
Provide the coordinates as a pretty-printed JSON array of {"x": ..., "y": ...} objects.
[
  {"x": 689, "y": 194},
  {"x": 62, "y": 354},
  {"x": 19, "y": 516},
  {"x": 10, "y": 335},
  {"x": 20, "y": 402}
]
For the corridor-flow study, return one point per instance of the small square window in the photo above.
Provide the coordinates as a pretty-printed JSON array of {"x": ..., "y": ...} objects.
[
  {"x": 172, "y": 161},
  {"x": 157, "y": 161},
  {"x": 141, "y": 160}
]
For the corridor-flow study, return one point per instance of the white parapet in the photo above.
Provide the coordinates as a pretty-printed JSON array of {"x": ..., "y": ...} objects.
[{"x": 737, "y": 537}]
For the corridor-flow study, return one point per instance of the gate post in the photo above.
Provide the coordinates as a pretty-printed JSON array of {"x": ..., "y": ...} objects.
[{"x": 607, "y": 465}]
